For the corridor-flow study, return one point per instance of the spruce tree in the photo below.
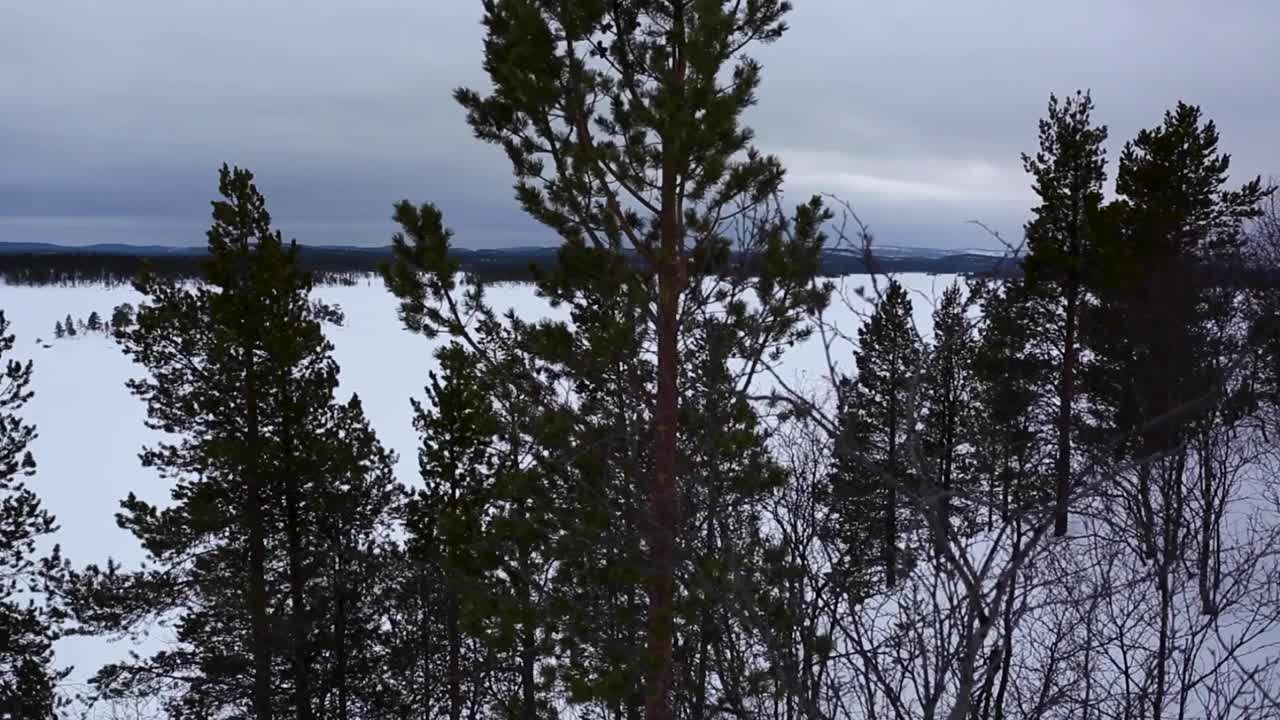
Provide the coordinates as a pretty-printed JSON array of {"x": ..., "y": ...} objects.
[
  {"x": 58, "y": 331},
  {"x": 69, "y": 326},
  {"x": 28, "y": 678},
  {"x": 874, "y": 471},
  {"x": 948, "y": 403},
  {"x": 440, "y": 665},
  {"x": 94, "y": 323},
  {"x": 622, "y": 124},
  {"x": 1008, "y": 444},
  {"x": 1069, "y": 172}
]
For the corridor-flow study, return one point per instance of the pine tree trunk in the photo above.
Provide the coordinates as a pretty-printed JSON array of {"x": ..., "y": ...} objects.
[
  {"x": 890, "y": 538},
  {"x": 454, "y": 660},
  {"x": 428, "y": 648},
  {"x": 1162, "y": 649},
  {"x": 663, "y": 500},
  {"x": 258, "y": 608},
  {"x": 634, "y": 708},
  {"x": 662, "y": 510},
  {"x": 528, "y": 668},
  {"x": 947, "y": 446},
  {"x": 1208, "y": 528},
  {"x": 699, "y": 699},
  {"x": 297, "y": 594},
  {"x": 261, "y": 638},
  {"x": 1066, "y": 399},
  {"x": 1171, "y": 525},
  {"x": 340, "y": 626},
  {"x": 528, "y": 639},
  {"x": 1006, "y": 656},
  {"x": 1144, "y": 515}
]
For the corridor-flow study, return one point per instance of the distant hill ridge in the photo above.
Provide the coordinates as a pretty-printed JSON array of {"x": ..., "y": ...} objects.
[{"x": 505, "y": 262}]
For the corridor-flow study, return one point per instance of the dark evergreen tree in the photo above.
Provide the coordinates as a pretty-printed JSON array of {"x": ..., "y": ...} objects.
[
  {"x": 731, "y": 606},
  {"x": 488, "y": 506},
  {"x": 948, "y": 407},
  {"x": 28, "y": 626},
  {"x": 351, "y": 567},
  {"x": 1167, "y": 329},
  {"x": 1263, "y": 255},
  {"x": 1009, "y": 449},
  {"x": 58, "y": 331},
  {"x": 1069, "y": 172},
  {"x": 622, "y": 124},
  {"x": 94, "y": 323},
  {"x": 69, "y": 326},
  {"x": 432, "y": 669},
  {"x": 604, "y": 565},
  {"x": 270, "y": 480},
  {"x": 875, "y": 473},
  {"x": 1155, "y": 340},
  {"x": 583, "y": 498},
  {"x": 122, "y": 316}
]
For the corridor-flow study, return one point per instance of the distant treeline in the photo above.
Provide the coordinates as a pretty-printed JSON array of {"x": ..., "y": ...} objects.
[
  {"x": 113, "y": 268},
  {"x": 341, "y": 266}
]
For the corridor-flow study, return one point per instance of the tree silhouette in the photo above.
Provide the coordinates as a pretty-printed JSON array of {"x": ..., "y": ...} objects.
[
  {"x": 28, "y": 679},
  {"x": 874, "y": 472}
]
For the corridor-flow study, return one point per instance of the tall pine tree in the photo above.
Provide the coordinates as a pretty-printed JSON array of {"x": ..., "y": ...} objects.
[
  {"x": 1069, "y": 171},
  {"x": 1167, "y": 327},
  {"x": 1154, "y": 335},
  {"x": 590, "y": 437},
  {"x": 621, "y": 120}
]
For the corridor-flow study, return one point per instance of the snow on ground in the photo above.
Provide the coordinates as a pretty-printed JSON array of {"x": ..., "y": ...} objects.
[{"x": 91, "y": 429}]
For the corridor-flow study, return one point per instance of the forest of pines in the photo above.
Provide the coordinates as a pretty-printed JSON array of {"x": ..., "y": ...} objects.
[{"x": 1060, "y": 502}]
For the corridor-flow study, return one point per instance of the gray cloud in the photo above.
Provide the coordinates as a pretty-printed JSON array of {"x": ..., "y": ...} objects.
[{"x": 115, "y": 115}]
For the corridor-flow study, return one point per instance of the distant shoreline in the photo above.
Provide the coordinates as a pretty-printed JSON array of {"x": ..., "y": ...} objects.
[{"x": 38, "y": 263}]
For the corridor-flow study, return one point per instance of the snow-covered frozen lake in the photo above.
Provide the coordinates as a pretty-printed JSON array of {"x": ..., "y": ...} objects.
[{"x": 91, "y": 429}]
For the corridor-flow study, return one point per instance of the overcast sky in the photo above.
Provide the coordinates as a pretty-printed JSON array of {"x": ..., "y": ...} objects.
[{"x": 115, "y": 115}]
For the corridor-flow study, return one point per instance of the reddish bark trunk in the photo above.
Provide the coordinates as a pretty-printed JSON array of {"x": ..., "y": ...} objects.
[
  {"x": 662, "y": 508},
  {"x": 662, "y": 504},
  {"x": 663, "y": 501}
]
